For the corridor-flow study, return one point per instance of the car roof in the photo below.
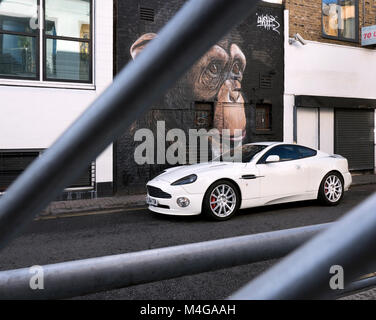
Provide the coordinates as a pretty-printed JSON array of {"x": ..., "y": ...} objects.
[
  {"x": 275, "y": 143},
  {"x": 266, "y": 143}
]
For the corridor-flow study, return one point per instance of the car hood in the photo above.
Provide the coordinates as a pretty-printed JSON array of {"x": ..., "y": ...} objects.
[{"x": 173, "y": 174}]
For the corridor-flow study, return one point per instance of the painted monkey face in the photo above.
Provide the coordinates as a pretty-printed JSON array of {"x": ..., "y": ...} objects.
[
  {"x": 211, "y": 72},
  {"x": 217, "y": 77},
  {"x": 229, "y": 107}
]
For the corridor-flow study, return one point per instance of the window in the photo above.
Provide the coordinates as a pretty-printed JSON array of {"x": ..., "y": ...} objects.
[
  {"x": 245, "y": 153},
  {"x": 65, "y": 52},
  {"x": 285, "y": 153},
  {"x": 289, "y": 153},
  {"x": 204, "y": 115},
  {"x": 67, "y": 42},
  {"x": 306, "y": 152},
  {"x": 264, "y": 117},
  {"x": 18, "y": 41},
  {"x": 340, "y": 19}
]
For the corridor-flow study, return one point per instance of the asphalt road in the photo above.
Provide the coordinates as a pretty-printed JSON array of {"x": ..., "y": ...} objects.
[{"x": 64, "y": 239}]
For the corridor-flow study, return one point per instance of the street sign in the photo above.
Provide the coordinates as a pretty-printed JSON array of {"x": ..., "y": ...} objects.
[{"x": 369, "y": 35}]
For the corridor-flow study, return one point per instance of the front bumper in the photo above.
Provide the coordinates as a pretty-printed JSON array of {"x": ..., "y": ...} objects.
[
  {"x": 193, "y": 209},
  {"x": 347, "y": 180}
]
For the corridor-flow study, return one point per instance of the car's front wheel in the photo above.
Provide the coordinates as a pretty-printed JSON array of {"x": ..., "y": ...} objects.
[
  {"x": 221, "y": 201},
  {"x": 331, "y": 189}
]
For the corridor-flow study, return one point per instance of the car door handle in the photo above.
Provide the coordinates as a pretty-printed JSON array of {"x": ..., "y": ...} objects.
[{"x": 250, "y": 177}]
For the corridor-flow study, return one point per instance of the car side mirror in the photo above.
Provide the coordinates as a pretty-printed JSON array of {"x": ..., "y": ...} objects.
[{"x": 272, "y": 158}]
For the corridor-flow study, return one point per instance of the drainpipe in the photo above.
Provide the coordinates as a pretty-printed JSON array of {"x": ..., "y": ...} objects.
[{"x": 364, "y": 13}]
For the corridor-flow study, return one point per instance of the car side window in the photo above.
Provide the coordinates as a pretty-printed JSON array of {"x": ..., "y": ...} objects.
[
  {"x": 285, "y": 153},
  {"x": 306, "y": 152}
]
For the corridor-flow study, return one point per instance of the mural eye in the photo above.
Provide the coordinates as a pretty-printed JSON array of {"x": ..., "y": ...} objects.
[
  {"x": 236, "y": 69},
  {"x": 213, "y": 68}
]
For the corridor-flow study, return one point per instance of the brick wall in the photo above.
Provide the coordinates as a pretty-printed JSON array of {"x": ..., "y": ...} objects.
[{"x": 305, "y": 19}]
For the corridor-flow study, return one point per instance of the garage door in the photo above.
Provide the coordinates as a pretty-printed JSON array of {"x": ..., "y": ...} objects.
[{"x": 354, "y": 137}]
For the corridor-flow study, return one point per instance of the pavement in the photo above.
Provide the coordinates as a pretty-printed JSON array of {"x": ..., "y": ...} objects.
[{"x": 117, "y": 203}]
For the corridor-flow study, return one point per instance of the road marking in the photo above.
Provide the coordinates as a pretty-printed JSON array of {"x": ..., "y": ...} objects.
[{"x": 88, "y": 213}]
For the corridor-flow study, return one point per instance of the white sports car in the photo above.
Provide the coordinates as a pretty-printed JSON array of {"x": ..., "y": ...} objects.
[{"x": 267, "y": 173}]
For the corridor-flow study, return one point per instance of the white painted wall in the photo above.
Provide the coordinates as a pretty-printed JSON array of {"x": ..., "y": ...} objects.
[
  {"x": 34, "y": 117},
  {"x": 308, "y": 127},
  {"x": 327, "y": 130},
  {"x": 321, "y": 69}
]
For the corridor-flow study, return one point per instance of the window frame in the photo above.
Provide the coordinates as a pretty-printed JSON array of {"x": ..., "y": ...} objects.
[
  {"x": 340, "y": 38},
  {"x": 36, "y": 36},
  {"x": 209, "y": 111},
  {"x": 41, "y": 37},
  {"x": 45, "y": 37},
  {"x": 269, "y": 107}
]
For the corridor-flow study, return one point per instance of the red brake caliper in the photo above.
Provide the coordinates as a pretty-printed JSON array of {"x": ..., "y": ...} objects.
[{"x": 212, "y": 200}]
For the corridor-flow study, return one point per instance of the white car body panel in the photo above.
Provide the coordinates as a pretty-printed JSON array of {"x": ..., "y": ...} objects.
[{"x": 280, "y": 182}]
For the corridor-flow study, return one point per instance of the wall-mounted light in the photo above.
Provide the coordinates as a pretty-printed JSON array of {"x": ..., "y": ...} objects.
[{"x": 299, "y": 38}]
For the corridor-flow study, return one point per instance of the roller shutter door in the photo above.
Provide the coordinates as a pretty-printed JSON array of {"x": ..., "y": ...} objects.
[{"x": 354, "y": 137}]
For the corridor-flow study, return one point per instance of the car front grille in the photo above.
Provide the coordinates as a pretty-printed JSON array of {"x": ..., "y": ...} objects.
[{"x": 158, "y": 193}]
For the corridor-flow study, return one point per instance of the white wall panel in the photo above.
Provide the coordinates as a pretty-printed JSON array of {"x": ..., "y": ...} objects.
[{"x": 327, "y": 130}]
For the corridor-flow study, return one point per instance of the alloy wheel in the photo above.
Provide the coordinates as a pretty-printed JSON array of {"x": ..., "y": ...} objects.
[
  {"x": 333, "y": 188},
  {"x": 223, "y": 200}
]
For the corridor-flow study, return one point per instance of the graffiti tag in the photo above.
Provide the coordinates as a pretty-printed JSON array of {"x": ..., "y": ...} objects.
[{"x": 268, "y": 22}]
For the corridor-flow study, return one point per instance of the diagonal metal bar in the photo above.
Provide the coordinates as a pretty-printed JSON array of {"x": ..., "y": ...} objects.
[
  {"x": 194, "y": 29},
  {"x": 75, "y": 278},
  {"x": 350, "y": 243},
  {"x": 355, "y": 287}
]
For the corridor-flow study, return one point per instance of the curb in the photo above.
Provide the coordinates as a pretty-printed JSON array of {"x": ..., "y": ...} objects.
[
  {"x": 366, "y": 183},
  {"x": 56, "y": 209}
]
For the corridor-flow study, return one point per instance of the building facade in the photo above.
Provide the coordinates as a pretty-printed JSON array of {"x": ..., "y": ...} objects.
[
  {"x": 56, "y": 57},
  {"x": 238, "y": 84},
  {"x": 330, "y": 99}
]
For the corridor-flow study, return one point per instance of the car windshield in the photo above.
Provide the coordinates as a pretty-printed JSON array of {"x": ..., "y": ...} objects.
[{"x": 241, "y": 154}]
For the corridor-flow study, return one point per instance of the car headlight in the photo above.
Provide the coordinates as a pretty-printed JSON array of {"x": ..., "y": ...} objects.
[{"x": 186, "y": 180}]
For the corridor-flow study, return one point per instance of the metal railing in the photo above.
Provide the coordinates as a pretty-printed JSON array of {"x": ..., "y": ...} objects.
[
  {"x": 75, "y": 278},
  {"x": 349, "y": 243},
  {"x": 196, "y": 27}
]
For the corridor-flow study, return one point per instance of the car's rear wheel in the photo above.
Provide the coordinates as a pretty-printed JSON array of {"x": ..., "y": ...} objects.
[
  {"x": 331, "y": 189},
  {"x": 221, "y": 201}
]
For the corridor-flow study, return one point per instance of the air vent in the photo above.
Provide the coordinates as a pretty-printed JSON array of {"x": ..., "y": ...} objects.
[
  {"x": 158, "y": 193},
  {"x": 147, "y": 14},
  {"x": 265, "y": 81},
  {"x": 13, "y": 163}
]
